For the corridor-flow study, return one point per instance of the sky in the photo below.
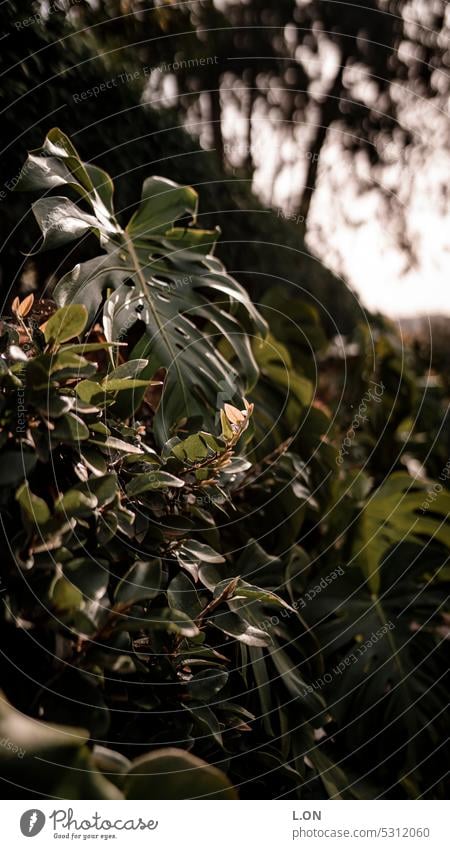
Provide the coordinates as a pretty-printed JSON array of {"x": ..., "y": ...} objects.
[
  {"x": 366, "y": 252},
  {"x": 353, "y": 233}
]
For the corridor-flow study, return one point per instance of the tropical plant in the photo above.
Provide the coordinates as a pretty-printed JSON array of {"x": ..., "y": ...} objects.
[
  {"x": 110, "y": 573},
  {"x": 199, "y": 601},
  {"x": 386, "y": 653},
  {"x": 157, "y": 274}
]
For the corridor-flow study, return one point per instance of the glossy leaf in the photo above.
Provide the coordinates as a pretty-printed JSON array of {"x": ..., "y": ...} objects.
[
  {"x": 66, "y": 323},
  {"x": 141, "y": 582},
  {"x": 175, "y": 774}
]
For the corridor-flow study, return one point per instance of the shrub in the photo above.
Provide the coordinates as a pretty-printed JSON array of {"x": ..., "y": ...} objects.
[{"x": 196, "y": 603}]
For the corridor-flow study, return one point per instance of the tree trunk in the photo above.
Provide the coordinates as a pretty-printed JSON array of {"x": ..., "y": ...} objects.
[
  {"x": 329, "y": 113},
  {"x": 215, "y": 117},
  {"x": 249, "y": 164}
]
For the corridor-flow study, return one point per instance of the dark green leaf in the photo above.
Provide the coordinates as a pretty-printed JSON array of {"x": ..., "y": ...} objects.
[
  {"x": 175, "y": 774},
  {"x": 66, "y": 323},
  {"x": 142, "y": 581},
  {"x": 152, "y": 481}
]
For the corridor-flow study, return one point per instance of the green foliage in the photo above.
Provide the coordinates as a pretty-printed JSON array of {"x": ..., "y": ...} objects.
[
  {"x": 89, "y": 492},
  {"x": 206, "y": 585},
  {"x": 52, "y": 760},
  {"x": 388, "y": 663},
  {"x": 394, "y": 512},
  {"x": 156, "y": 273}
]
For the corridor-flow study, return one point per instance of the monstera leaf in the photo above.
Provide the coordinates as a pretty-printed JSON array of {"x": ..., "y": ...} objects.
[
  {"x": 399, "y": 510},
  {"x": 152, "y": 272},
  {"x": 385, "y": 658}
]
